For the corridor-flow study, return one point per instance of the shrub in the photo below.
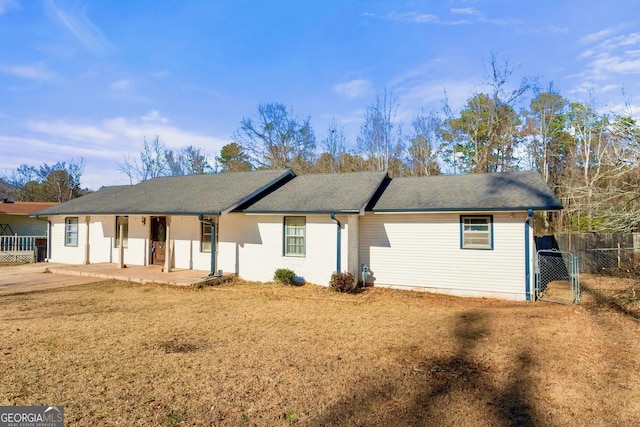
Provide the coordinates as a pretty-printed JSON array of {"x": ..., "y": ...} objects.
[
  {"x": 342, "y": 282},
  {"x": 285, "y": 276}
]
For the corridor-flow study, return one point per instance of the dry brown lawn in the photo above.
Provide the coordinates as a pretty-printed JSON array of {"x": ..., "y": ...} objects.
[{"x": 115, "y": 353}]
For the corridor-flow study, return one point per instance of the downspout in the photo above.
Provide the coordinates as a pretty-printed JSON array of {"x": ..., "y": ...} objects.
[
  {"x": 338, "y": 239},
  {"x": 214, "y": 266},
  {"x": 527, "y": 254}
]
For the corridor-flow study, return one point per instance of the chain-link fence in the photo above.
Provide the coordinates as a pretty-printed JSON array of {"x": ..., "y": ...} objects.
[
  {"x": 557, "y": 277},
  {"x": 616, "y": 262}
]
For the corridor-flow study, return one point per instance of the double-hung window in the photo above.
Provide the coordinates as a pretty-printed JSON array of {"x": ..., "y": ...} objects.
[
  {"x": 294, "y": 236},
  {"x": 124, "y": 221},
  {"x": 476, "y": 232},
  {"x": 71, "y": 231}
]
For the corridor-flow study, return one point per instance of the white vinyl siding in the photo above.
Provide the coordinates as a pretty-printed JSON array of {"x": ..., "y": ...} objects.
[
  {"x": 71, "y": 231},
  {"x": 423, "y": 252},
  {"x": 294, "y": 236}
]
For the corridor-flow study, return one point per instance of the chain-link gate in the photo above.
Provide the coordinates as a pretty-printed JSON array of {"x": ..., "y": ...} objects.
[{"x": 557, "y": 278}]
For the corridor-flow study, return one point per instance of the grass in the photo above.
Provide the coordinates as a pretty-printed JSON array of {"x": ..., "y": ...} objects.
[{"x": 267, "y": 354}]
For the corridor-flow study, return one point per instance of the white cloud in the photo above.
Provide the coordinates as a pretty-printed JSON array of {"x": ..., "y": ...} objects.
[
  {"x": 594, "y": 37},
  {"x": 5, "y": 5},
  {"x": 466, "y": 11},
  {"x": 37, "y": 72},
  {"x": 79, "y": 24},
  {"x": 154, "y": 116},
  {"x": 354, "y": 88},
  {"x": 76, "y": 132},
  {"x": 122, "y": 84},
  {"x": 611, "y": 55},
  {"x": 103, "y": 143}
]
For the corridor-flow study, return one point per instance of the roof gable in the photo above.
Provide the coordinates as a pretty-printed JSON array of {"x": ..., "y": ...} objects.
[
  {"x": 211, "y": 194},
  {"x": 490, "y": 191},
  {"x": 322, "y": 193}
]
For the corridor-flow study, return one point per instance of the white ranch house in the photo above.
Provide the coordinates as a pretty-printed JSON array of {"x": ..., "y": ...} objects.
[{"x": 468, "y": 235}]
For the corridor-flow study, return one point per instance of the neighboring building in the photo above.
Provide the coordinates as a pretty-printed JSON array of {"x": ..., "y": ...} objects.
[
  {"x": 463, "y": 235},
  {"x": 20, "y": 234},
  {"x": 14, "y": 218}
]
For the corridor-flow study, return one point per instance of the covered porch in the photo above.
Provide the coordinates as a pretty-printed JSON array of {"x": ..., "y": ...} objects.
[
  {"x": 17, "y": 248},
  {"x": 143, "y": 274}
]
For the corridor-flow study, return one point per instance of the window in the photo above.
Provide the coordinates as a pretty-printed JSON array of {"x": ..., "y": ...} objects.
[
  {"x": 205, "y": 237},
  {"x": 71, "y": 231},
  {"x": 476, "y": 232},
  {"x": 124, "y": 220},
  {"x": 294, "y": 236}
]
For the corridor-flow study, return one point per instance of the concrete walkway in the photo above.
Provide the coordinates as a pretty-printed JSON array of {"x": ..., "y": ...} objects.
[
  {"x": 141, "y": 274},
  {"x": 33, "y": 277}
]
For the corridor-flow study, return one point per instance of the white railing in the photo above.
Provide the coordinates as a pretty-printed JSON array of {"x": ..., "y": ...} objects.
[{"x": 18, "y": 243}]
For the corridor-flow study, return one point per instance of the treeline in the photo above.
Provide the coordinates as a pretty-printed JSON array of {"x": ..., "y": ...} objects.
[
  {"x": 588, "y": 156},
  {"x": 59, "y": 182}
]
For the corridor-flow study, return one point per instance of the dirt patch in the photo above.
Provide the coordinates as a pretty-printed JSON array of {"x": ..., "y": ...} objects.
[{"x": 256, "y": 354}]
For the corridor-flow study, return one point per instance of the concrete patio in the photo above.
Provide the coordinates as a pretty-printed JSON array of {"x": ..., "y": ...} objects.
[{"x": 142, "y": 274}]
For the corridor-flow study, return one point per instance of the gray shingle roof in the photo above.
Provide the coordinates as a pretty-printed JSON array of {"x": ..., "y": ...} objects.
[
  {"x": 491, "y": 191},
  {"x": 195, "y": 194},
  {"x": 338, "y": 192}
]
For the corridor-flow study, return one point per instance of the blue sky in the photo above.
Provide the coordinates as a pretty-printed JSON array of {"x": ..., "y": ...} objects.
[{"x": 92, "y": 78}]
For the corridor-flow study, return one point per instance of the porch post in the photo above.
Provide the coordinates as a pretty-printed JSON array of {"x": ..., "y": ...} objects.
[
  {"x": 168, "y": 252},
  {"x": 87, "y": 250},
  {"x": 120, "y": 243}
]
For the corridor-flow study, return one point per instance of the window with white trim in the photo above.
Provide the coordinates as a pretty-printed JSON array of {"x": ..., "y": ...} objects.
[
  {"x": 294, "y": 236},
  {"x": 124, "y": 220},
  {"x": 71, "y": 231},
  {"x": 476, "y": 232}
]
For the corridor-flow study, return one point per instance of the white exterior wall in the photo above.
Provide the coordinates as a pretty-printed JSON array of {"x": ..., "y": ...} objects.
[
  {"x": 252, "y": 247},
  {"x": 67, "y": 254},
  {"x": 185, "y": 234},
  {"x": 422, "y": 252}
]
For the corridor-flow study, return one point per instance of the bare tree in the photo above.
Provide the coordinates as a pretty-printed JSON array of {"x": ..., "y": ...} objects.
[
  {"x": 334, "y": 146},
  {"x": 380, "y": 136},
  {"x": 187, "y": 161},
  {"x": 423, "y": 152},
  {"x": 276, "y": 139},
  {"x": 152, "y": 163}
]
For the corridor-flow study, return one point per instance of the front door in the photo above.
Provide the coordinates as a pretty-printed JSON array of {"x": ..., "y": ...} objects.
[{"x": 158, "y": 239}]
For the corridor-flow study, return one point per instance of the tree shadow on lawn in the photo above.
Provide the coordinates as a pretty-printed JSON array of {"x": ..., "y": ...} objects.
[
  {"x": 455, "y": 390},
  {"x": 618, "y": 302}
]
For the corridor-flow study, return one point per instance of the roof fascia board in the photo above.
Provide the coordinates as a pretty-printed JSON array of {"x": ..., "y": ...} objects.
[
  {"x": 436, "y": 210},
  {"x": 216, "y": 213},
  {"x": 312, "y": 212}
]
